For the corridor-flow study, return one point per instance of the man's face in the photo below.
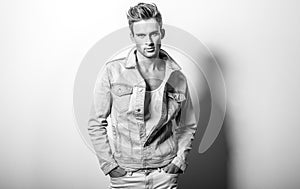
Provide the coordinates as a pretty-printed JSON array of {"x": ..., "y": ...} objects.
[{"x": 147, "y": 36}]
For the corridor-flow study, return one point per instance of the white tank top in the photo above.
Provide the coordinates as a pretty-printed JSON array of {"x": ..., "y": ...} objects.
[{"x": 153, "y": 106}]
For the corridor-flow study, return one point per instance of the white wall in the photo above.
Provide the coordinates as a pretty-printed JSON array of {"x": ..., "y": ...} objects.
[{"x": 257, "y": 44}]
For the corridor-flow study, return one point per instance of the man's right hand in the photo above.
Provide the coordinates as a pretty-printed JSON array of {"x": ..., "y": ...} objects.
[{"x": 117, "y": 172}]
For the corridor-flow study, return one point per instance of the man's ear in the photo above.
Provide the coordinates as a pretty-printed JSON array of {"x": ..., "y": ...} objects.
[
  {"x": 162, "y": 31},
  {"x": 132, "y": 37}
]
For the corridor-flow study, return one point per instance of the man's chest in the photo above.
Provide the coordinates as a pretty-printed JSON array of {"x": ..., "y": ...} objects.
[{"x": 153, "y": 79}]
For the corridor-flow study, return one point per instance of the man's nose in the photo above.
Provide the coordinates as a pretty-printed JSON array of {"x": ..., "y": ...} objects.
[{"x": 148, "y": 40}]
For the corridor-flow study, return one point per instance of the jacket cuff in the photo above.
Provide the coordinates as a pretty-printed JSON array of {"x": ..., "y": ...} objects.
[
  {"x": 107, "y": 167},
  {"x": 179, "y": 163}
]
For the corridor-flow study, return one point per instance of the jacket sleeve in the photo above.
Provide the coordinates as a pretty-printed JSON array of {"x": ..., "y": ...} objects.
[
  {"x": 97, "y": 123},
  {"x": 185, "y": 131}
]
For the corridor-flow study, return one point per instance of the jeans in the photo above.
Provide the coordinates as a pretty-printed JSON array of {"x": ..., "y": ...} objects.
[{"x": 144, "y": 179}]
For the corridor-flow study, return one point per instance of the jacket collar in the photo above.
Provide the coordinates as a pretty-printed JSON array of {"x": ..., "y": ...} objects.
[{"x": 170, "y": 63}]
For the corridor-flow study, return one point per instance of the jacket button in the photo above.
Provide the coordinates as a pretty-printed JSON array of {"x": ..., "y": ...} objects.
[{"x": 138, "y": 110}]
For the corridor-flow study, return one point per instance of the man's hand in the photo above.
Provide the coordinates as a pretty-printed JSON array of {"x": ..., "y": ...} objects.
[
  {"x": 172, "y": 169},
  {"x": 117, "y": 172}
]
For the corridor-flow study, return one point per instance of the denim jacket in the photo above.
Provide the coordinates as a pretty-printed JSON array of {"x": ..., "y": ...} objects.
[{"x": 120, "y": 93}]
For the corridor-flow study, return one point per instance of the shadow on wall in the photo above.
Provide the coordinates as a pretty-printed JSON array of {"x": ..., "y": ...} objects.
[{"x": 208, "y": 170}]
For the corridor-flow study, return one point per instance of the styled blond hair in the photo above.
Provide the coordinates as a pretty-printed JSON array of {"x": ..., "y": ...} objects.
[{"x": 143, "y": 11}]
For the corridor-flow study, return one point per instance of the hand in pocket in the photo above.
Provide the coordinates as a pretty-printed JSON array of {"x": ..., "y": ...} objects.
[{"x": 117, "y": 172}]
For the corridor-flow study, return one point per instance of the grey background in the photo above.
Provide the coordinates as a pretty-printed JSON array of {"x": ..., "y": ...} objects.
[{"x": 256, "y": 43}]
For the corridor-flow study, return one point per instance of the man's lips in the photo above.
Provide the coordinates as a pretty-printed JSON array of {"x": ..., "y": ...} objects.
[{"x": 150, "y": 49}]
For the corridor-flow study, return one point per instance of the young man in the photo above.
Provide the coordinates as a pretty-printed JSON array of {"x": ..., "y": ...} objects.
[{"x": 147, "y": 97}]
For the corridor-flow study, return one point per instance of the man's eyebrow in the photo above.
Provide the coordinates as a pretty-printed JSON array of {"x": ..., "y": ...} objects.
[
  {"x": 140, "y": 33},
  {"x": 156, "y": 31}
]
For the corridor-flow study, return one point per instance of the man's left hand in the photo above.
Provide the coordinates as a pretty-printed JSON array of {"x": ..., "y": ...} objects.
[{"x": 172, "y": 169}]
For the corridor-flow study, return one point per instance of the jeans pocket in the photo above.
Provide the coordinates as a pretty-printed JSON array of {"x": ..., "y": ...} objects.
[
  {"x": 120, "y": 176},
  {"x": 174, "y": 103},
  {"x": 121, "y": 96},
  {"x": 171, "y": 174}
]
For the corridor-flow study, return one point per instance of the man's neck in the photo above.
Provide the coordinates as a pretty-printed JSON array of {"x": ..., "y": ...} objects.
[{"x": 148, "y": 64}]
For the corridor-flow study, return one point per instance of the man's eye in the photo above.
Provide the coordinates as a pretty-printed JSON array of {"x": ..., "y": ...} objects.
[{"x": 141, "y": 35}]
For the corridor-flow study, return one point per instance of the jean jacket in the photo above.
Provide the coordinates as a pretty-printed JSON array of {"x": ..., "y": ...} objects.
[{"x": 120, "y": 93}]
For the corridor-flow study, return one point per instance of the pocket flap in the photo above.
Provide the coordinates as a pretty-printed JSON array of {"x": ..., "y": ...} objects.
[
  {"x": 121, "y": 90},
  {"x": 179, "y": 97}
]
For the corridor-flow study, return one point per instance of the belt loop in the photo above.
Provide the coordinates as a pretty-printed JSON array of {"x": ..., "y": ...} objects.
[
  {"x": 129, "y": 173},
  {"x": 159, "y": 169}
]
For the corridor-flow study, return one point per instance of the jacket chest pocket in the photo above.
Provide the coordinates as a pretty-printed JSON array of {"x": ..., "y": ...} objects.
[
  {"x": 121, "y": 96},
  {"x": 174, "y": 103}
]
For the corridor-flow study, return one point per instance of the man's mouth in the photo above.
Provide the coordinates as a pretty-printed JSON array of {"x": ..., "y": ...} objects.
[{"x": 150, "y": 49}]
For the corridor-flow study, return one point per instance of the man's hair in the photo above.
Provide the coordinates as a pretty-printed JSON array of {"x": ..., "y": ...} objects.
[{"x": 143, "y": 11}]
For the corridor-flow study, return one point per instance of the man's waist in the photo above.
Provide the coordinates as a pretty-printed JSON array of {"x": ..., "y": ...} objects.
[
  {"x": 140, "y": 166},
  {"x": 147, "y": 170}
]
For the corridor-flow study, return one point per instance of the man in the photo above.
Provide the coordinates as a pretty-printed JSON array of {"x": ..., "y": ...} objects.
[{"x": 148, "y": 100}]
